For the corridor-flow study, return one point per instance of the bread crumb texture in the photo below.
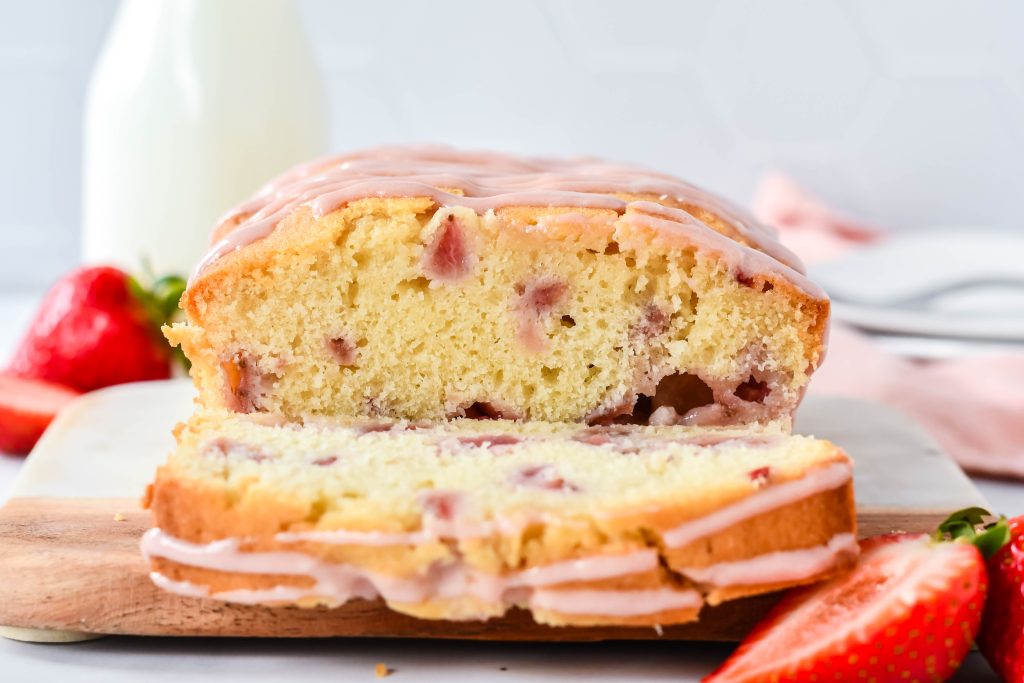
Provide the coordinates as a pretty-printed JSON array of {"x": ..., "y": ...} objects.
[{"x": 400, "y": 308}]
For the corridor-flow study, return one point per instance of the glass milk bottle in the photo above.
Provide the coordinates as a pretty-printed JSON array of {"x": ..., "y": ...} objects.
[{"x": 193, "y": 105}]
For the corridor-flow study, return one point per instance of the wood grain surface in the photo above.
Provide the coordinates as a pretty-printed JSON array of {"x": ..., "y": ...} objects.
[{"x": 68, "y": 564}]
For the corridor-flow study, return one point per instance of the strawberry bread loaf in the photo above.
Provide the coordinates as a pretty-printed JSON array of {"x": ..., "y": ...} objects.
[
  {"x": 464, "y": 519},
  {"x": 637, "y": 346},
  {"x": 422, "y": 283}
]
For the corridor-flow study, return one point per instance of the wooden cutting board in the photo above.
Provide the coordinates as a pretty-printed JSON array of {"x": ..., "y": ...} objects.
[{"x": 69, "y": 557}]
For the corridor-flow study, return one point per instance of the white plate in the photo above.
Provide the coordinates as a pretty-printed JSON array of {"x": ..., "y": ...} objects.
[{"x": 965, "y": 283}]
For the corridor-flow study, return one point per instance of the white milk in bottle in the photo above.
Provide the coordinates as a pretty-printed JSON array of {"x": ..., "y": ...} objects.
[{"x": 193, "y": 105}]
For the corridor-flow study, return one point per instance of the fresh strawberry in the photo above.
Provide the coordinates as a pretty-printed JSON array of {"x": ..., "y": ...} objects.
[
  {"x": 27, "y": 406},
  {"x": 97, "y": 327},
  {"x": 1002, "y": 627},
  {"x": 909, "y": 610}
]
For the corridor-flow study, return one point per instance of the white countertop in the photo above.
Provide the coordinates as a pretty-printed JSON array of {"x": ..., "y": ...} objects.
[{"x": 128, "y": 659}]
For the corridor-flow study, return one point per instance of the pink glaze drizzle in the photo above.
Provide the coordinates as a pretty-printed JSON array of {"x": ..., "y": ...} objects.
[
  {"x": 776, "y": 567},
  {"x": 489, "y": 181},
  {"x": 338, "y": 583},
  {"x": 616, "y": 603},
  {"x": 767, "y": 498},
  {"x": 183, "y": 588}
]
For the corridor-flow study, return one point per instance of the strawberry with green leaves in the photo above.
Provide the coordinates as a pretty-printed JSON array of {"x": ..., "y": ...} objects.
[
  {"x": 909, "y": 610},
  {"x": 97, "y": 327}
]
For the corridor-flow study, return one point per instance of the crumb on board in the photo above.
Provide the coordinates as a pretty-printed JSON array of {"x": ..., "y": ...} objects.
[
  {"x": 118, "y": 517},
  {"x": 382, "y": 670}
]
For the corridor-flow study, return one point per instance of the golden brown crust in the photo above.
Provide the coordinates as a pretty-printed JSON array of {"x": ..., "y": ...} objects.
[
  {"x": 807, "y": 523},
  {"x": 665, "y": 618},
  {"x": 525, "y": 215},
  {"x": 718, "y": 595}
]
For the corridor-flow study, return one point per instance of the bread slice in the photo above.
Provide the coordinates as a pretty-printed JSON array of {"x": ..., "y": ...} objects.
[
  {"x": 424, "y": 283},
  {"x": 466, "y": 519}
]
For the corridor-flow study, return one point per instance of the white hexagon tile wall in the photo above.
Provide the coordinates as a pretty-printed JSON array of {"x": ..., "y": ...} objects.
[{"x": 907, "y": 114}]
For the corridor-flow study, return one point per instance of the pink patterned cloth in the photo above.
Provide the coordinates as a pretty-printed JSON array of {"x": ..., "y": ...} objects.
[{"x": 973, "y": 406}]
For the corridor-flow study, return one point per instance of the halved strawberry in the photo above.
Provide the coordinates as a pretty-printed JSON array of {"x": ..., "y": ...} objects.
[
  {"x": 27, "y": 406},
  {"x": 1002, "y": 627},
  {"x": 909, "y": 610}
]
